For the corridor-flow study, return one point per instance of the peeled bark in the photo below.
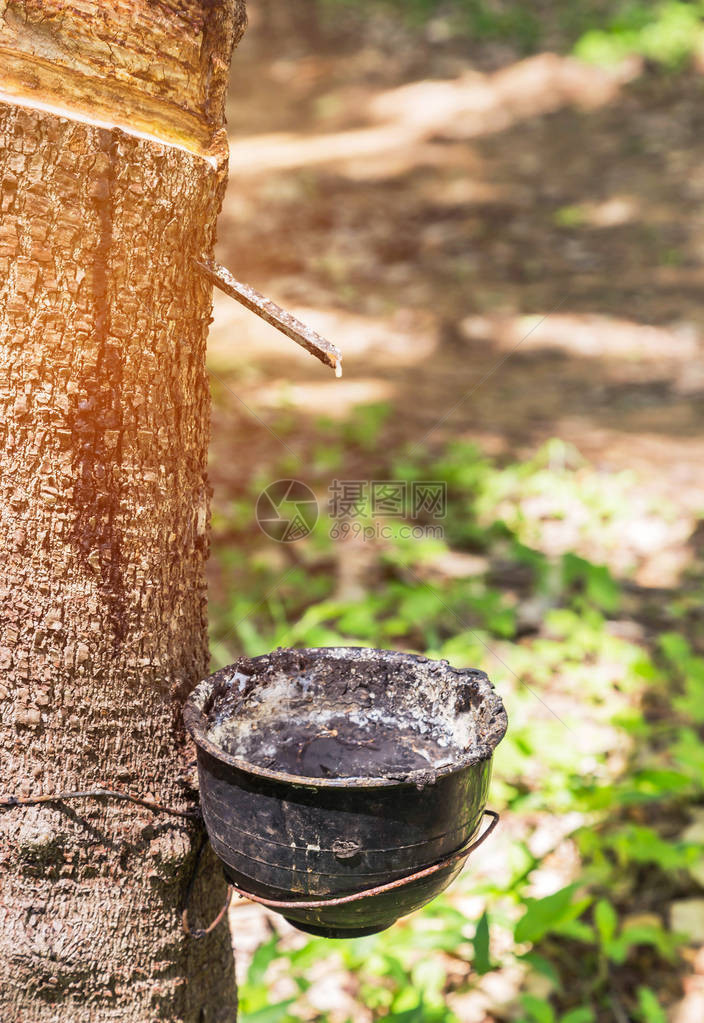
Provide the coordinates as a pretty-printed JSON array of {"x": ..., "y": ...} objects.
[{"x": 112, "y": 169}]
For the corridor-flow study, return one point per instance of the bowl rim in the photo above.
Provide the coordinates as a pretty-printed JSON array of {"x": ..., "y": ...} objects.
[{"x": 196, "y": 722}]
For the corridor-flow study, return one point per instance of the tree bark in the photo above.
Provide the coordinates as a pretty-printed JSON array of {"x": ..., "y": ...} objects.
[{"x": 112, "y": 170}]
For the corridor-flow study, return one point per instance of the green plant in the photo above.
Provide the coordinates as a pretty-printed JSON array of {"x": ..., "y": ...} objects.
[
  {"x": 622, "y": 758},
  {"x": 538, "y": 1010},
  {"x": 667, "y": 33}
]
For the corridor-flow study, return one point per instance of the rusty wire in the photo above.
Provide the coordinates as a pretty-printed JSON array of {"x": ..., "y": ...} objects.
[
  {"x": 200, "y": 932},
  {"x": 291, "y": 904},
  {"x": 465, "y": 849},
  {"x": 11, "y": 802}
]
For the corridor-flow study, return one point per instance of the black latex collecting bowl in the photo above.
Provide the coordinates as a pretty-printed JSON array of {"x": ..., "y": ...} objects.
[{"x": 295, "y": 837}]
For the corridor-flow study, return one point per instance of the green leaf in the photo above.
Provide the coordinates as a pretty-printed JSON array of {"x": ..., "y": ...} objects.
[
  {"x": 543, "y": 966},
  {"x": 264, "y": 955},
  {"x": 649, "y": 1007},
  {"x": 269, "y": 1014},
  {"x": 548, "y": 914},
  {"x": 421, "y": 1013},
  {"x": 649, "y": 934},
  {"x": 428, "y": 977},
  {"x": 482, "y": 958},
  {"x": 581, "y": 1015},
  {"x": 540, "y": 1010},
  {"x": 606, "y": 920},
  {"x": 598, "y": 585},
  {"x": 640, "y": 844},
  {"x": 675, "y": 648},
  {"x": 577, "y": 930}
]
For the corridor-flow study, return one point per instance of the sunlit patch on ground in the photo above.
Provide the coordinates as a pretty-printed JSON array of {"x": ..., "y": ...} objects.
[
  {"x": 590, "y": 336},
  {"x": 405, "y": 338},
  {"x": 333, "y": 399},
  {"x": 474, "y": 104}
]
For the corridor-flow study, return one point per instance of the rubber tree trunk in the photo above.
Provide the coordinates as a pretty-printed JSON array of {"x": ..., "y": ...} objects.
[{"x": 112, "y": 170}]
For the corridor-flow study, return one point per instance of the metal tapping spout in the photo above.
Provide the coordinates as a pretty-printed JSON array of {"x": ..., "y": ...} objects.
[{"x": 284, "y": 321}]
